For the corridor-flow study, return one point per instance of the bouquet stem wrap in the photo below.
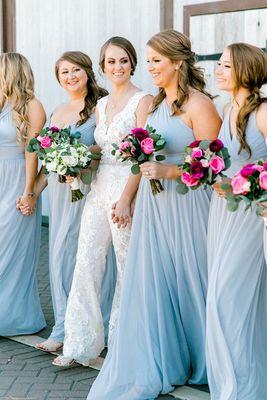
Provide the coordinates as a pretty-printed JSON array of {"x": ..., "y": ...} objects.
[
  {"x": 76, "y": 193},
  {"x": 156, "y": 186}
]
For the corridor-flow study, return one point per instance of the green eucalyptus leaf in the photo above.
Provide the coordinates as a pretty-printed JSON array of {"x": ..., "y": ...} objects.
[
  {"x": 181, "y": 188},
  {"x": 135, "y": 169}
]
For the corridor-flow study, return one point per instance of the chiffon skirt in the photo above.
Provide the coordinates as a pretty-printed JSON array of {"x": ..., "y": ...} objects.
[
  {"x": 159, "y": 341},
  {"x": 20, "y": 311},
  {"x": 236, "y": 305}
]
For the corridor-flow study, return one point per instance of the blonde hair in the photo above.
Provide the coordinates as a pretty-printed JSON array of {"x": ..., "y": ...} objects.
[
  {"x": 124, "y": 44},
  {"x": 94, "y": 91},
  {"x": 177, "y": 47},
  {"x": 249, "y": 72},
  {"x": 16, "y": 88}
]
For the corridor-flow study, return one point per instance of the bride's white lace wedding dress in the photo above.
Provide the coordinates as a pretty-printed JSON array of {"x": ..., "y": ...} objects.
[{"x": 84, "y": 330}]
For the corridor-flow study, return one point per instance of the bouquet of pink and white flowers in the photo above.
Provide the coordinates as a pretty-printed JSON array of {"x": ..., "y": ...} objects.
[
  {"x": 140, "y": 146},
  {"x": 249, "y": 185},
  {"x": 61, "y": 152},
  {"x": 204, "y": 161}
]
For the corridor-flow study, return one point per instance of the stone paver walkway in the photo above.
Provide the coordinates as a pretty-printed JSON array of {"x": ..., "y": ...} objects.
[{"x": 27, "y": 373}]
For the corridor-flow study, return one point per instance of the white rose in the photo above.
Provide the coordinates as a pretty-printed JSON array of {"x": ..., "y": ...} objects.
[
  {"x": 51, "y": 166},
  {"x": 204, "y": 163},
  {"x": 69, "y": 161},
  {"x": 188, "y": 159},
  {"x": 84, "y": 160},
  {"x": 208, "y": 154}
]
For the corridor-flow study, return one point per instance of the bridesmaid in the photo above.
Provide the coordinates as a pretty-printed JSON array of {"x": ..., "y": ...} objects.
[
  {"x": 21, "y": 116},
  {"x": 160, "y": 336},
  {"x": 75, "y": 74},
  {"x": 237, "y": 293}
]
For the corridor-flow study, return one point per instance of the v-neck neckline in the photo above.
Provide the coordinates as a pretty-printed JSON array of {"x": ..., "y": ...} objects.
[{"x": 119, "y": 113}]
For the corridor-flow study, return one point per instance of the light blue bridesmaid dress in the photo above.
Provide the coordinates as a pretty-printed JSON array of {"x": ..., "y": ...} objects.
[
  {"x": 160, "y": 338},
  {"x": 237, "y": 292},
  {"x": 20, "y": 309},
  {"x": 64, "y": 226}
]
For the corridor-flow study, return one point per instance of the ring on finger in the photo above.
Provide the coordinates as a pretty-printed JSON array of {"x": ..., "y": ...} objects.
[{"x": 147, "y": 173}]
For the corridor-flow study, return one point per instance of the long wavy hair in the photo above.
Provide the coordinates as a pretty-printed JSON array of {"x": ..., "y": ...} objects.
[
  {"x": 17, "y": 88},
  {"x": 124, "y": 44},
  {"x": 249, "y": 66},
  {"x": 94, "y": 91},
  {"x": 177, "y": 47}
]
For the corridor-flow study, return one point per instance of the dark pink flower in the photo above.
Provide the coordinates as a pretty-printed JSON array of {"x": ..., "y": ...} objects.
[
  {"x": 194, "y": 144},
  {"x": 147, "y": 145},
  {"x": 188, "y": 180},
  {"x": 196, "y": 170},
  {"x": 247, "y": 170},
  {"x": 265, "y": 166},
  {"x": 216, "y": 145},
  {"x": 217, "y": 164},
  {"x": 140, "y": 133},
  {"x": 46, "y": 142},
  {"x": 54, "y": 129}
]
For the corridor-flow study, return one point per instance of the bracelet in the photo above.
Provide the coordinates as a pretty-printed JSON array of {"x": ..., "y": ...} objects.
[{"x": 31, "y": 194}]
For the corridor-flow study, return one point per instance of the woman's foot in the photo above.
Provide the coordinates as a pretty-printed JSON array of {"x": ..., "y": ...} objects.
[
  {"x": 62, "y": 361},
  {"x": 49, "y": 345}
]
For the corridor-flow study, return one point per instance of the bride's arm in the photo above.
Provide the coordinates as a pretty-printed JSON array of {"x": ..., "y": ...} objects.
[{"x": 122, "y": 211}]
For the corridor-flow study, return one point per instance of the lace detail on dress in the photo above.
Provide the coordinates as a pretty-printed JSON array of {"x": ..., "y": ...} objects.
[
  {"x": 120, "y": 126},
  {"x": 84, "y": 330}
]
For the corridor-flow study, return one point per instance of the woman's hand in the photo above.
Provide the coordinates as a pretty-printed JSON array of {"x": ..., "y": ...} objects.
[
  {"x": 69, "y": 179},
  {"x": 217, "y": 186},
  {"x": 156, "y": 170},
  {"x": 121, "y": 213},
  {"x": 26, "y": 204}
]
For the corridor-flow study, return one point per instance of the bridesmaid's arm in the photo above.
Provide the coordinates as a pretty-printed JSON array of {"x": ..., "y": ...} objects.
[
  {"x": 205, "y": 122},
  {"x": 36, "y": 122}
]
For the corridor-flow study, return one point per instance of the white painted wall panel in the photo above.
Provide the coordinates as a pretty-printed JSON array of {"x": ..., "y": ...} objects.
[{"x": 47, "y": 28}]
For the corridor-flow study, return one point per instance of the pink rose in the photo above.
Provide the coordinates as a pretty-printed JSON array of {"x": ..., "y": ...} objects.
[
  {"x": 263, "y": 180},
  {"x": 217, "y": 164},
  {"x": 240, "y": 185},
  {"x": 196, "y": 153},
  {"x": 265, "y": 166},
  {"x": 124, "y": 146},
  {"x": 147, "y": 145},
  {"x": 46, "y": 142},
  {"x": 258, "y": 167},
  {"x": 188, "y": 180}
]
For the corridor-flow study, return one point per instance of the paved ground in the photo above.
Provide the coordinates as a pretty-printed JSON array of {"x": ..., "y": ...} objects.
[{"x": 27, "y": 373}]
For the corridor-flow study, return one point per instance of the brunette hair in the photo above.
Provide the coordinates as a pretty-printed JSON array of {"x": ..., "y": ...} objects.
[
  {"x": 17, "y": 88},
  {"x": 124, "y": 44},
  {"x": 94, "y": 91},
  {"x": 250, "y": 72},
  {"x": 177, "y": 47}
]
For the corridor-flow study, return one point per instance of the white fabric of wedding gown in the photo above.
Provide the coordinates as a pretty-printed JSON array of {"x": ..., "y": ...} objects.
[{"x": 84, "y": 329}]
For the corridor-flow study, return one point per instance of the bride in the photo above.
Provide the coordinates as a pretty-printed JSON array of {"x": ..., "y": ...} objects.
[{"x": 124, "y": 109}]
